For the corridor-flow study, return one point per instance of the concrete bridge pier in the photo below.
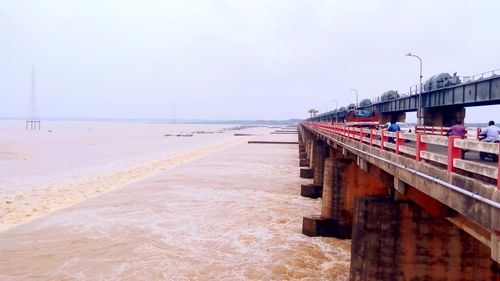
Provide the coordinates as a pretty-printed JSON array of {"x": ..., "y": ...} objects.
[
  {"x": 318, "y": 155},
  {"x": 397, "y": 240},
  {"x": 303, "y": 158},
  {"x": 392, "y": 116},
  {"x": 443, "y": 116},
  {"x": 343, "y": 181},
  {"x": 307, "y": 171}
]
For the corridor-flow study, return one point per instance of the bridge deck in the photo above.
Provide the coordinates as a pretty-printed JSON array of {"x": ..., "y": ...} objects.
[{"x": 468, "y": 186}]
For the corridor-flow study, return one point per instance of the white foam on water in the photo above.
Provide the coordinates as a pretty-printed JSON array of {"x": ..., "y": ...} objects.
[{"x": 201, "y": 221}]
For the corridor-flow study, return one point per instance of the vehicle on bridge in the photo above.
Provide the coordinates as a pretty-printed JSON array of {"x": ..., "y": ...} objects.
[
  {"x": 441, "y": 80},
  {"x": 362, "y": 118}
]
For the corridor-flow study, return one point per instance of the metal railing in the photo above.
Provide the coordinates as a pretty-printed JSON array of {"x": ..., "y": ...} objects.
[
  {"x": 396, "y": 142},
  {"x": 415, "y": 89},
  {"x": 491, "y": 73}
]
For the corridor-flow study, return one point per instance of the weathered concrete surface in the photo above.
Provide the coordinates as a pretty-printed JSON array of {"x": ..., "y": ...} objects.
[
  {"x": 319, "y": 152},
  {"x": 343, "y": 182},
  {"x": 314, "y": 226},
  {"x": 306, "y": 173},
  {"x": 401, "y": 241},
  {"x": 311, "y": 190},
  {"x": 304, "y": 163},
  {"x": 477, "y": 168},
  {"x": 471, "y": 208},
  {"x": 432, "y": 195},
  {"x": 441, "y": 235},
  {"x": 476, "y": 145},
  {"x": 392, "y": 116},
  {"x": 440, "y": 117},
  {"x": 302, "y": 147}
]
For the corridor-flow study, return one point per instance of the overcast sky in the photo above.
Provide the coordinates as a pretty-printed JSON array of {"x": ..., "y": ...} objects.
[{"x": 232, "y": 59}]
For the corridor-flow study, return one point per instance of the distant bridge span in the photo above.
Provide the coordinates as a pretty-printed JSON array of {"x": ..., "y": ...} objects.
[{"x": 453, "y": 99}]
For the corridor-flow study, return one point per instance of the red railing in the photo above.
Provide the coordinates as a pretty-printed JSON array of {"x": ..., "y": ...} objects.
[
  {"x": 471, "y": 133},
  {"x": 395, "y": 142},
  {"x": 432, "y": 130}
]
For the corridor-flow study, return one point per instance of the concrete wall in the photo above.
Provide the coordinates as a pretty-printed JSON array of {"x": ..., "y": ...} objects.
[
  {"x": 401, "y": 241},
  {"x": 443, "y": 116},
  {"x": 392, "y": 116}
]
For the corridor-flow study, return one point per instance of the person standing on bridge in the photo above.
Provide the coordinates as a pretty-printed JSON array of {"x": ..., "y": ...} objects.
[
  {"x": 491, "y": 132},
  {"x": 393, "y": 128},
  {"x": 457, "y": 130}
]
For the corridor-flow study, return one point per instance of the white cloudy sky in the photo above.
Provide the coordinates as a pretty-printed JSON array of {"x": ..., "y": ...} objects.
[{"x": 232, "y": 59}]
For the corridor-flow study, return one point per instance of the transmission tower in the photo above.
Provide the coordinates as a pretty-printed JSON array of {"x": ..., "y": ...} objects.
[{"x": 33, "y": 122}]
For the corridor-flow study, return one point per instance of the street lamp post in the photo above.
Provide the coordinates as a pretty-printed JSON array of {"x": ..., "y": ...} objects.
[
  {"x": 419, "y": 105},
  {"x": 337, "y": 111},
  {"x": 356, "y": 96}
]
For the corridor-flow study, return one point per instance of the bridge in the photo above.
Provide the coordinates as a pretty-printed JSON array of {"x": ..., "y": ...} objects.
[
  {"x": 480, "y": 90},
  {"x": 414, "y": 209}
]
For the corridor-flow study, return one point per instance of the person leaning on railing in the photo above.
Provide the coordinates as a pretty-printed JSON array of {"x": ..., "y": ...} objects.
[
  {"x": 457, "y": 130},
  {"x": 393, "y": 128}
]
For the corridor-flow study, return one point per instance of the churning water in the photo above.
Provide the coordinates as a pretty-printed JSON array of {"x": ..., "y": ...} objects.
[{"x": 220, "y": 209}]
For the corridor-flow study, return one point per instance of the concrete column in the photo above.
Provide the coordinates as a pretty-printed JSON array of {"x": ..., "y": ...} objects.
[
  {"x": 308, "y": 150},
  {"x": 303, "y": 161},
  {"x": 343, "y": 182},
  {"x": 307, "y": 172},
  {"x": 389, "y": 116},
  {"x": 318, "y": 161},
  {"x": 300, "y": 137},
  {"x": 443, "y": 116},
  {"x": 315, "y": 189},
  {"x": 401, "y": 241}
]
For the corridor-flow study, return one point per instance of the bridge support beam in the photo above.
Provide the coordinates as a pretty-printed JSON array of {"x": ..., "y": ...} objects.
[
  {"x": 306, "y": 159},
  {"x": 343, "y": 181},
  {"x": 319, "y": 154},
  {"x": 443, "y": 116},
  {"x": 401, "y": 241},
  {"x": 392, "y": 116},
  {"x": 303, "y": 161},
  {"x": 315, "y": 189}
]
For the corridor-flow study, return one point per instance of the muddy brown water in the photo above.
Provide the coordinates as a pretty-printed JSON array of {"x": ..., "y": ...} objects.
[{"x": 235, "y": 214}]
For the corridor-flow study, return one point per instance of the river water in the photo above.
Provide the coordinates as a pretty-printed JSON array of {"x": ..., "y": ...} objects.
[{"x": 219, "y": 209}]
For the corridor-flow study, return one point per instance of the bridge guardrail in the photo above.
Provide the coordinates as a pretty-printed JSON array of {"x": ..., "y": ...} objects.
[
  {"x": 395, "y": 142},
  {"x": 441, "y": 131},
  {"x": 432, "y": 130}
]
